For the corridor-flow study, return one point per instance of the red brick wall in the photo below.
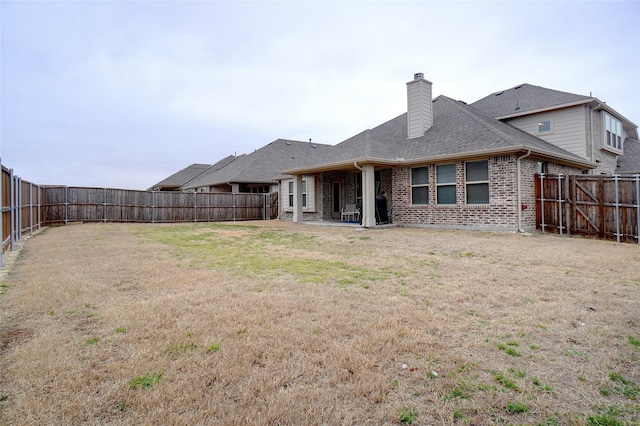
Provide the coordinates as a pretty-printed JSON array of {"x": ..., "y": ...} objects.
[{"x": 500, "y": 213}]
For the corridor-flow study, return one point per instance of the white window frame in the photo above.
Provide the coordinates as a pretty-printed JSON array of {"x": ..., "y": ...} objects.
[
  {"x": 290, "y": 194},
  {"x": 540, "y": 122},
  {"x": 444, "y": 184},
  {"x": 419, "y": 185},
  {"x": 468, "y": 183},
  {"x": 612, "y": 133}
]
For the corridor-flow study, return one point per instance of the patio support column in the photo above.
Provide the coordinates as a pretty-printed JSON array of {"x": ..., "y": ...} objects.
[
  {"x": 368, "y": 196},
  {"x": 297, "y": 198}
]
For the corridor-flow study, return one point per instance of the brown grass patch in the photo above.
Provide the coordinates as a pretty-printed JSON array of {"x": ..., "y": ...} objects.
[{"x": 273, "y": 323}]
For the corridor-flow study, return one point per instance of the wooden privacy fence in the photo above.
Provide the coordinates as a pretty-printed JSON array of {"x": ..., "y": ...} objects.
[
  {"x": 27, "y": 207},
  {"x": 21, "y": 209},
  {"x": 65, "y": 204},
  {"x": 606, "y": 207}
]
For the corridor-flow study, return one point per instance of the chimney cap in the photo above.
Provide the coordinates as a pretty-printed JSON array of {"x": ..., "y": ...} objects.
[{"x": 418, "y": 76}]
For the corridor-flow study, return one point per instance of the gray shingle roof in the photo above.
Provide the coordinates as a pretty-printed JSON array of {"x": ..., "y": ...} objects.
[
  {"x": 181, "y": 177},
  {"x": 523, "y": 98},
  {"x": 630, "y": 161},
  {"x": 458, "y": 130},
  {"x": 264, "y": 164}
]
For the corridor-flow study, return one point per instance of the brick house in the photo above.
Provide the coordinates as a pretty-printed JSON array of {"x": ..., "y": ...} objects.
[{"x": 444, "y": 163}]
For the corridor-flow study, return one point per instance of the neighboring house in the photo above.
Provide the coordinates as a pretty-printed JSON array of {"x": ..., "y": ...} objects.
[
  {"x": 257, "y": 172},
  {"x": 176, "y": 180},
  {"x": 583, "y": 125},
  {"x": 445, "y": 163}
]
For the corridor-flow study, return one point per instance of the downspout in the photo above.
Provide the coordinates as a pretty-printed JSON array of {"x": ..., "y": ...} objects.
[{"x": 519, "y": 189}]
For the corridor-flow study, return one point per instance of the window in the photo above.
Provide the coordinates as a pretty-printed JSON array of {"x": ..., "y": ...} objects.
[
  {"x": 291, "y": 194},
  {"x": 420, "y": 185},
  {"x": 613, "y": 134},
  {"x": 304, "y": 193},
  {"x": 544, "y": 126},
  {"x": 446, "y": 184},
  {"x": 477, "y": 181}
]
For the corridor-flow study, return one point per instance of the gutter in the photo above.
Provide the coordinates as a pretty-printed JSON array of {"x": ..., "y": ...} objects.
[{"x": 519, "y": 190}]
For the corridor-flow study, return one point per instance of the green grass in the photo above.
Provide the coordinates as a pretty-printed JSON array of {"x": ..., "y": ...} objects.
[
  {"x": 509, "y": 350},
  {"x": 260, "y": 252},
  {"x": 517, "y": 408},
  {"x": 407, "y": 416},
  {"x": 506, "y": 382},
  {"x": 146, "y": 381},
  {"x": 121, "y": 330},
  {"x": 458, "y": 392},
  {"x": 214, "y": 347},
  {"x": 634, "y": 341},
  {"x": 92, "y": 341}
]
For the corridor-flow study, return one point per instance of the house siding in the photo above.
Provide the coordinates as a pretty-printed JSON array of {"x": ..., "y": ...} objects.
[
  {"x": 500, "y": 213},
  {"x": 567, "y": 128},
  {"x": 315, "y": 194}
]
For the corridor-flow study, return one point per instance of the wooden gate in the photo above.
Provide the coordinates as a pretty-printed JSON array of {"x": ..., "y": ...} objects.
[{"x": 606, "y": 207}]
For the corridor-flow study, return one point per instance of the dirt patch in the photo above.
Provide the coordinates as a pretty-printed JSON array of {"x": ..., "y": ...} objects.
[{"x": 274, "y": 323}]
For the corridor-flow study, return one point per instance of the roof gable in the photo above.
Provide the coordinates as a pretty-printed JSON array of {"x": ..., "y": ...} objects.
[
  {"x": 181, "y": 177},
  {"x": 525, "y": 98},
  {"x": 458, "y": 130},
  {"x": 262, "y": 165}
]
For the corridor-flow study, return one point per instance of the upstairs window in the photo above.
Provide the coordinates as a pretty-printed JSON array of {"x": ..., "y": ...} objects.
[
  {"x": 613, "y": 132},
  {"x": 420, "y": 185},
  {"x": 477, "y": 182},
  {"x": 446, "y": 184},
  {"x": 544, "y": 126}
]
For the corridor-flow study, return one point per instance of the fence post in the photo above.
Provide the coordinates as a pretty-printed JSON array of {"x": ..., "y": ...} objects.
[
  {"x": 12, "y": 210},
  {"x": 638, "y": 207},
  {"x": 615, "y": 180},
  {"x": 19, "y": 207},
  {"x": 153, "y": 207},
  {"x": 104, "y": 205},
  {"x": 66, "y": 204},
  {"x": 233, "y": 204},
  {"x": 542, "y": 202},
  {"x": 195, "y": 206},
  {"x": 567, "y": 204},
  {"x": 560, "y": 202},
  {"x": 2, "y": 215},
  {"x": 30, "y": 208},
  {"x": 39, "y": 207}
]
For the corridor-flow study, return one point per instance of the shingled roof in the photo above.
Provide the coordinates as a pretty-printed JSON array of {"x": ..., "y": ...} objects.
[
  {"x": 526, "y": 98},
  {"x": 262, "y": 165},
  {"x": 459, "y": 131},
  {"x": 629, "y": 163},
  {"x": 176, "y": 180}
]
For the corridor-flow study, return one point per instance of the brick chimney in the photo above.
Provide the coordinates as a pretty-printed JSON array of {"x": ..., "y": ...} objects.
[{"x": 420, "y": 110}]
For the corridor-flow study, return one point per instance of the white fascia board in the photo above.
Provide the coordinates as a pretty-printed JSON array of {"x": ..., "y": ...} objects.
[
  {"x": 504, "y": 151},
  {"x": 550, "y": 108}
]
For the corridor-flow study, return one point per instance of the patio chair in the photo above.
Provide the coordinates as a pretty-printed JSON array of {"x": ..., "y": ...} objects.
[{"x": 350, "y": 213}]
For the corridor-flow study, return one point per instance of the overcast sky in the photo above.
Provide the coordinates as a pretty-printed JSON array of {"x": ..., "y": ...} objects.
[{"x": 125, "y": 93}]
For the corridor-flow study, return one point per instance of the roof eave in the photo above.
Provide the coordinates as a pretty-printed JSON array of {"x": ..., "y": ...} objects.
[
  {"x": 577, "y": 162},
  {"x": 345, "y": 165},
  {"x": 549, "y": 108},
  {"x": 340, "y": 165}
]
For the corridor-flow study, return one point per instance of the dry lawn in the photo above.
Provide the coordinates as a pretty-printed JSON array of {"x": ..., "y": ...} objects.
[{"x": 275, "y": 323}]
